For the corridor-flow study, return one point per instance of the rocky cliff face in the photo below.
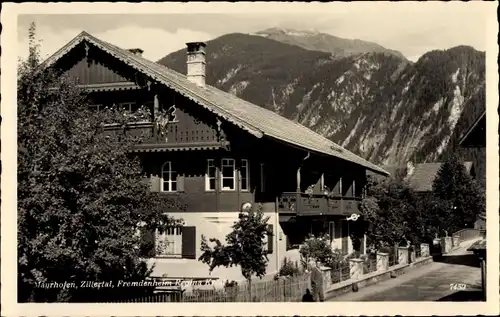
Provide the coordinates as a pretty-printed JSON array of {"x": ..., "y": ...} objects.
[{"x": 378, "y": 105}]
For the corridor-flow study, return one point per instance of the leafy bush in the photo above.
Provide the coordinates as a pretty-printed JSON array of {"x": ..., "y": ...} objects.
[
  {"x": 289, "y": 268},
  {"x": 319, "y": 249}
]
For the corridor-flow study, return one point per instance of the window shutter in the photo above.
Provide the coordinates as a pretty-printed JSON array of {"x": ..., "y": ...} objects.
[
  {"x": 270, "y": 234},
  {"x": 262, "y": 178},
  {"x": 180, "y": 183},
  {"x": 189, "y": 242},
  {"x": 155, "y": 183},
  {"x": 331, "y": 230},
  {"x": 147, "y": 248}
]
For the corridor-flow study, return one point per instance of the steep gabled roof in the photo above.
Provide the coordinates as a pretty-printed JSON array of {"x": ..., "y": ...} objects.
[
  {"x": 252, "y": 118},
  {"x": 423, "y": 175}
]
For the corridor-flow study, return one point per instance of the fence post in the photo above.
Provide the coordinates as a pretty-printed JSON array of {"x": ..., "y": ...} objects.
[
  {"x": 447, "y": 241},
  {"x": 456, "y": 241},
  {"x": 403, "y": 255},
  {"x": 382, "y": 261},
  {"x": 424, "y": 250},
  {"x": 327, "y": 277},
  {"x": 284, "y": 289},
  {"x": 356, "y": 268},
  {"x": 413, "y": 254}
]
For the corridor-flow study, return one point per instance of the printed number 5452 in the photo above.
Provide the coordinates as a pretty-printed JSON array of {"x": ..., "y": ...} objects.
[{"x": 457, "y": 286}]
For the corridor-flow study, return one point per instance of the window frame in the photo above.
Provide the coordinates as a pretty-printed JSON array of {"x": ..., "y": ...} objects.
[
  {"x": 164, "y": 236},
  {"x": 247, "y": 175},
  {"x": 128, "y": 104},
  {"x": 170, "y": 180},
  {"x": 233, "y": 177},
  {"x": 97, "y": 107},
  {"x": 210, "y": 164}
]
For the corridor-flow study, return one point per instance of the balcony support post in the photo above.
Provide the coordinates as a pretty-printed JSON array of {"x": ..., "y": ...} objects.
[
  {"x": 155, "y": 110},
  {"x": 298, "y": 179},
  {"x": 298, "y": 171}
]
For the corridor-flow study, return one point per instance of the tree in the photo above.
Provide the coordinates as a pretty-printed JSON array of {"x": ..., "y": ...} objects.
[
  {"x": 391, "y": 214},
  {"x": 81, "y": 195},
  {"x": 245, "y": 246},
  {"x": 319, "y": 249},
  {"x": 454, "y": 185},
  {"x": 438, "y": 216}
]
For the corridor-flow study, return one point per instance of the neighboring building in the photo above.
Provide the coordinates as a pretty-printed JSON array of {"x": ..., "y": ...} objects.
[
  {"x": 421, "y": 176},
  {"x": 219, "y": 152}
]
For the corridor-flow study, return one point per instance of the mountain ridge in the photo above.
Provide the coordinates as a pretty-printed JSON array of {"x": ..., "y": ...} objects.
[
  {"x": 324, "y": 42},
  {"x": 382, "y": 107}
]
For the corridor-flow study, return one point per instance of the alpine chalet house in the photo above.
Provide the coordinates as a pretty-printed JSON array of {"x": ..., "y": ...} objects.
[{"x": 219, "y": 152}]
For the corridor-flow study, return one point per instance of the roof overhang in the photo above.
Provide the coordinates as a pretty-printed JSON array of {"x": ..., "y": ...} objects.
[
  {"x": 368, "y": 166},
  {"x": 157, "y": 148},
  {"x": 477, "y": 129}
]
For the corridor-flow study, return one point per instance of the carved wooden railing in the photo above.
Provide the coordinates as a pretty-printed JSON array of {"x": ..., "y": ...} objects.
[
  {"x": 317, "y": 204},
  {"x": 175, "y": 134}
]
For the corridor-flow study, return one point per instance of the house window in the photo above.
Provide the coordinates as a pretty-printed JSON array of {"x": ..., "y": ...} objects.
[
  {"x": 128, "y": 106},
  {"x": 169, "y": 242},
  {"x": 97, "y": 107},
  {"x": 244, "y": 174},
  {"x": 169, "y": 178},
  {"x": 210, "y": 175},
  {"x": 228, "y": 179}
]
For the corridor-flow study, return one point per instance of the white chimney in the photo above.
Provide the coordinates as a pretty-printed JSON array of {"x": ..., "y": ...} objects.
[
  {"x": 196, "y": 62},
  {"x": 136, "y": 51}
]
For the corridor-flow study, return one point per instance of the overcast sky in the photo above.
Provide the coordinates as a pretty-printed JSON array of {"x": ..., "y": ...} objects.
[{"x": 411, "y": 30}]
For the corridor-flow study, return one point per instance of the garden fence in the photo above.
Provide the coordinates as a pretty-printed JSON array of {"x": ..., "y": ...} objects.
[{"x": 289, "y": 289}]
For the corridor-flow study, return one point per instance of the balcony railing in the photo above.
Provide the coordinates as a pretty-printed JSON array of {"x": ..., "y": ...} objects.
[
  {"x": 317, "y": 204},
  {"x": 175, "y": 134}
]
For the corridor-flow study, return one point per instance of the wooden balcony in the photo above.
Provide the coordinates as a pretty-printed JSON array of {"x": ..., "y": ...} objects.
[
  {"x": 317, "y": 204},
  {"x": 176, "y": 138}
]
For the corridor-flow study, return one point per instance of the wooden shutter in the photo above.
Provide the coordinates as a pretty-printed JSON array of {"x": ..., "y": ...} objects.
[
  {"x": 147, "y": 248},
  {"x": 155, "y": 183},
  {"x": 180, "y": 183},
  {"x": 331, "y": 230},
  {"x": 362, "y": 246},
  {"x": 345, "y": 237},
  {"x": 270, "y": 240},
  {"x": 262, "y": 178},
  {"x": 189, "y": 242}
]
